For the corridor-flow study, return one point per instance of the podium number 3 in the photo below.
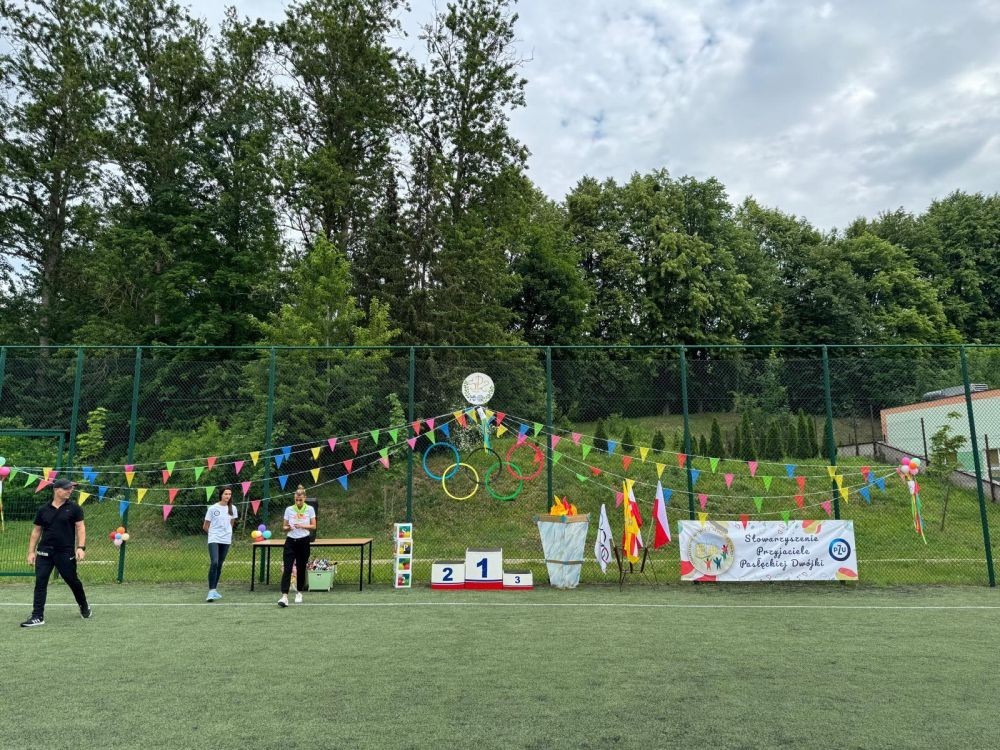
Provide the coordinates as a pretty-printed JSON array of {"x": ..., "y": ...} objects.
[
  {"x": 482, "y": 564},
  {"x": 448, "y": 574}
]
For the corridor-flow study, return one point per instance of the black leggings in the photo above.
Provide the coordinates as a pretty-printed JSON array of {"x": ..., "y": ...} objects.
[
  {"x": 297, "y": 551},
  {"x": 216, "y": 559},
  {"x": 65, "y": 562}
]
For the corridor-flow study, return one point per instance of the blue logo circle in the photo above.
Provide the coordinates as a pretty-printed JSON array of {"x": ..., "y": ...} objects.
[{"x": 840, "y": 550}]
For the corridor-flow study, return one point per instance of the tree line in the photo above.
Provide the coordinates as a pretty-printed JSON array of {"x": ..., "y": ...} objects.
[{"x": 309, "y": 182}]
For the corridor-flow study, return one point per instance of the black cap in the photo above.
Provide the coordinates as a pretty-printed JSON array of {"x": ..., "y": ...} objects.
[{"x": 63, "y": 484}]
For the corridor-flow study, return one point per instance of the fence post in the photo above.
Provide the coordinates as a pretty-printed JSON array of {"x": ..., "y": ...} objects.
[
  {"x": 923, "y": 437},
  {"x": 830, "y": 440},
  {"x": 75, "y": 417},
  {"x": 687, "y": 431},
  {"x": 548, "y": 422},
  {"x": 411, "y": 417},
  {"x": 979, "y": 469},
  {"x": 133, "y": 418},
  {"x": 268, "y": 434},
  {"x": 3, "y": 368},
  {"x": 989, "y": 469}
]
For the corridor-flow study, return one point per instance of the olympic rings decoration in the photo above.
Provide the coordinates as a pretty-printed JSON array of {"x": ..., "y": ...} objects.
[
  {"x": 456, "y": 466},
  {"x": 528, "y": 478},
  {"x": 511, "y": 496},
  {"x": 441, "y": 477}
]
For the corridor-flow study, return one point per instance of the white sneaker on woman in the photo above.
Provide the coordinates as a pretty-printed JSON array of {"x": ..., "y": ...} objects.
[
  {"x": 298, "y": 598},
  {"x": 283, "y": 601}
]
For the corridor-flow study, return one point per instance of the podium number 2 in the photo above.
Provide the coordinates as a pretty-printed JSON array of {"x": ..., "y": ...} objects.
[
  {"x": 482, "y": 564},
  {"x": 448, "y": 574}
]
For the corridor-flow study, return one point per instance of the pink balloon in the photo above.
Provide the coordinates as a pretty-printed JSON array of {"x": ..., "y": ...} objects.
[{"x": 4, "y": 472}]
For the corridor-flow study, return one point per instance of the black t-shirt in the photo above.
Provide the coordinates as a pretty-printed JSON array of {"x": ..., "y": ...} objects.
[{"x": 58, "y": 525}]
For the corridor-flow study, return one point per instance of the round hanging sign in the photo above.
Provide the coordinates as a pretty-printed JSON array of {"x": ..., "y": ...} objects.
[{"x": 477, "y": 388}]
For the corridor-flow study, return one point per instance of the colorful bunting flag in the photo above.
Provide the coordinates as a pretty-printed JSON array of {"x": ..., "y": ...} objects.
[
  {"x": 245, "y": 486},
  {"x": 659, "y": 470},
  {"x": 349, "y": 464},
  {"x": 844, "y": 493},
  {"x": 286, "y": 451},
  {"x": 586, "y": 449},
  {"x": 801, "y": 482},
  {"x": 500, "y": 417},
  {"x": 199, "y": 470},
  {"x": 166, "y": 511},
  {"x": 255, "y": 506},
  {"x": 211, "y": 462},
  {"x": 332, "y": 442},
  {"x": 315, "y": 474},
  {"x": 695, "y": 473},
  {"x": 729, "y": 480},
  {"x": 140, "y": 494},
  {"x": 612, "y": 444},
  {"x": 376, "y": 434},
  {"x": 799, "y": 500},
  {"x": 744, "y": 519},
  {"x": 554, "y": 441},
  {"x": 166, "y": 476},
  {"x": 643, "y": 452},
  {"x": 122, "y": 507},
  {"x": 866, "y": 494},
  {"x": 209, "y": 491},
  {"x": 416, "y": 427},
  {"x": 82, "y": 498},
  {"x": 626, "y": 461},
  {"x": 825, "y": 505},
  {"x": 343, "y": 481},
  {"x": 172, "y": 493},
  {"x": 538, "y": 428},
  {"x": 702, "y": 517},
  {"x": 767, "y": 482},
  {"x": 412, "y": 442},
  {"x": 282, "y": 480},
  {"x": 785, "y": 515},
  {"x": 101, "y": 492},
  {"x": 831, "y": 470},
  {"x": 279, "y": 458},
  {"x": 790, "y": 470},
  {"x": 703, "y": 500},
  {"x": 759, "y": 502},
  {"x": 315, "y": 452},
  {"x": 866, "y": 472},
  {"x": 394, "y": 434},
  {"x": 714, "y": 463},
  {"x": 752, "y": 465},
  {"x": 129, "y": 476},
  {"x": 619, "y": 497},
  {"x": 681, "y": 459},
  {"x": 254, "y": 457},
  {"x": 576, "y": 438},
  {"x": 445, "y": 428}
]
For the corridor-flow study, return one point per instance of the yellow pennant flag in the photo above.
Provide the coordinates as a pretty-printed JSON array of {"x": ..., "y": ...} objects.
[
  {"x": 643, "y": 452},
  {"x": 501, "y": 430},
  {"x": 140, "y": 494},
  {"x": 702, "y": 517},
  {"x": 46, "y": 472},
  {"x": 255, "y": 457},
  {"x": 129, "y": 476},
  {"x": 831, "y": 470},
  {"x": 844, "y": 493},
  {"x": 315, "y": 473},
  {"x": 489, "y": 414},
  {"x": 839, "y": 480},
  {"x": 315, "y": 452},
  {"x": 659, "y": 471},
  {"x": 83, "y": 498}
]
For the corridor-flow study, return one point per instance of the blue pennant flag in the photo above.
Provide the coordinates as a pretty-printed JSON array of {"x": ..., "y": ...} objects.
[
  {"x": 667, "y": 494},
  {"x": 790, "y": 470},
  {"x": 101, "y": 492},
  {"x": 880, "y": 483},
  {"x": 122, "y": 507},
  {"x": 446, "y": 429},
  {"x": 343, "y": 481},
  {"x": 88, "y": 473},
  {"x": 287, "y": 451},
  {"x": 612, "y": 444},
  {"x": 866, "y": 494},
  {"x": 282, "y": 479},
  {"x": 522, "y": 430},
  {"x": 278, "y": 459},
  {"x": 694, "y": 476}
]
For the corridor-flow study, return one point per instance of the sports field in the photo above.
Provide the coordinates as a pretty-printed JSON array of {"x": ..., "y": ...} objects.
[{"x": 685, "y": 666}]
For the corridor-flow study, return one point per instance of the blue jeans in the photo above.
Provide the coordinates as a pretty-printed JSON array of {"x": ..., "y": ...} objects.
[{"x": 217, "y": 556}]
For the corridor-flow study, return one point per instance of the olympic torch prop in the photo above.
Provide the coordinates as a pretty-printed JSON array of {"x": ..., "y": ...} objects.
[
  {"x": 564, "y": 533},
  {"x": 907, "y": 471}
]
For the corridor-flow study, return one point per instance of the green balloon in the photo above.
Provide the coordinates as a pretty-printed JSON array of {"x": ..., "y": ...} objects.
[{"x": 2, "y": 460}]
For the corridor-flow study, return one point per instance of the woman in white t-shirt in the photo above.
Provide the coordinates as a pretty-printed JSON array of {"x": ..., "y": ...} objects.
[
  {"x": 219, "y": 521},
  {"x": 299, "y": 520}
]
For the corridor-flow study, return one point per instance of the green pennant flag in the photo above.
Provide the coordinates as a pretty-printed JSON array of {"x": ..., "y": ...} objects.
[
  {"x": 430, "y": 436},
  {"x": 759, "y": 502},
  {"x": 170, "y": 466},
  {"x": 785, "y": 515},
  {"x": 384, "y": 452},
  {"x": 375, "y": 435},
  {"x": 198, "y": 471},
  {"x": 13, "y": 473},
  {"x": 209, "y": 491},
  {"x": 581, "y": 477},
  {"x": 585, "y": 448},
  {"x": 31, "y": 479},
  {"x": 556, "y": 455},
  {"x": 394, "y": 435},
  {"x": 767, "y": 483},
  {"x": 538, "y": 428},
  {"x": 715, "y": 464}
]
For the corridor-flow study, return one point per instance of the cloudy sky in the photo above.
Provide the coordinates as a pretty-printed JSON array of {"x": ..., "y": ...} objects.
[{"x": 828, "y": 110}]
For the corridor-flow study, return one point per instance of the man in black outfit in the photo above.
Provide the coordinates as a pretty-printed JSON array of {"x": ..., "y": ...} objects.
[{"x": 59, "y": 525}]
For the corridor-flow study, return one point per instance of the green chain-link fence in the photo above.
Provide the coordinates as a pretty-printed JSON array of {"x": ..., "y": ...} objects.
[{"x": 729, "y": 432}]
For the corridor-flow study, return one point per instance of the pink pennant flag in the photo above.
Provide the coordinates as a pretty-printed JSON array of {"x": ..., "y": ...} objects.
[
  {"x": 799, "y": 500},
  {"x": 626, "y": 462},
  {"x": 129, "y": 467},
  {"x": 593, "y": 470},
  {"x": 743, "y": 519},
  {"x": 753, "y": 468},
  {"x": 500, "y": 416},
  {"x": 166, "y": 511},
  {"x": 416, "y": 427},
  {"x": 238, "y": 466},
  {"x": 826, "y": 506},
  {"x": 332, "y": 442},
  {"x": 255, "y": 505},
  {"x": 521, "y": 438},
  {"x": 430, "y": 423},
  {"x": 51, "y": 474},
  {"x": 384, "y": 461},
  {"x": 729, "y": 480},
  {"x": 166, "y": 476},
  {"x": 172, "y": 493},
  {"x": 619, "y": 497},
  {"x": 412, "y": 442},
  {"x": 802, "y": 483},
  {"x": 681, "y": 459},
  {"x": 354, "y": 445},
  {"x": 555, "y": 441},
  {"x": 211, "y": 462},
  {"x": 246, "y": 487},
  {"x": 348, "y": 464},
  {"x": 703, "y": 501},
  {"x": 576, "y": 438},
  {"x": 865, "y": 471}
]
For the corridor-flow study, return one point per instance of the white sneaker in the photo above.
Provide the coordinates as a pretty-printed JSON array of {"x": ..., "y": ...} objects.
[
  {"x": 298, "y": 598},
  {"x": 283, "y": 601}
]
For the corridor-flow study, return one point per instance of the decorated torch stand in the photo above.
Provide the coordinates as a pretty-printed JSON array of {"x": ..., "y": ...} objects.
[{"x": 563, "y": 540}]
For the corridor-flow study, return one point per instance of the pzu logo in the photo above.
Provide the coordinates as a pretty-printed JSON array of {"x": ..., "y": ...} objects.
[{"x": 840, "y": 550}]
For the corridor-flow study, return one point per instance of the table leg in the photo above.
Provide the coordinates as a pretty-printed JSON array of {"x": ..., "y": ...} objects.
[
  {"x": 361, "y": 572},
  {"x": 253, "y": 566},
  {"x": 369, "y": 562},
  {"x": 267, "y": 573}
]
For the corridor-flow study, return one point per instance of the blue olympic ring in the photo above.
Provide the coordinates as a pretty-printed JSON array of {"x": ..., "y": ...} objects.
[{"x": 446, "y": 475}]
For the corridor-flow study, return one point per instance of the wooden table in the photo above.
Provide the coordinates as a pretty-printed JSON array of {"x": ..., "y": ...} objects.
[{"x": 268, "y": 544}]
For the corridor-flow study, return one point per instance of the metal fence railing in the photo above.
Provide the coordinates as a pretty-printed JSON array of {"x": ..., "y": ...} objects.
[{"x": 731, "y": 431}]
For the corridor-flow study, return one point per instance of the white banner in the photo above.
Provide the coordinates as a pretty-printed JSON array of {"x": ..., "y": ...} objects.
[{"x": 768, "y": 551}]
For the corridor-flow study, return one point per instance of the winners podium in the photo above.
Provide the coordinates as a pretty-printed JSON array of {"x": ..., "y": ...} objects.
[{"x": 481, "y": 569}]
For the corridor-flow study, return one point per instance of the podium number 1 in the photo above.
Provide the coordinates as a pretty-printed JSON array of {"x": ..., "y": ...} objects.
[{"x": 482, "y": 564}]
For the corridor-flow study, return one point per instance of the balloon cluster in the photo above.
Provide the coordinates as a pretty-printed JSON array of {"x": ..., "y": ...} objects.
[
  {"x": 909, "y": 466},
  {"x": 260, "y": 533},
  {"x": 4, "y": 470},
  {"x": 118, "y": 536}
]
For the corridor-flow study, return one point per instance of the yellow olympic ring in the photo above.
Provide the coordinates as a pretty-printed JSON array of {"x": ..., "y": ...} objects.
[{"x": 444, "y": 485}]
